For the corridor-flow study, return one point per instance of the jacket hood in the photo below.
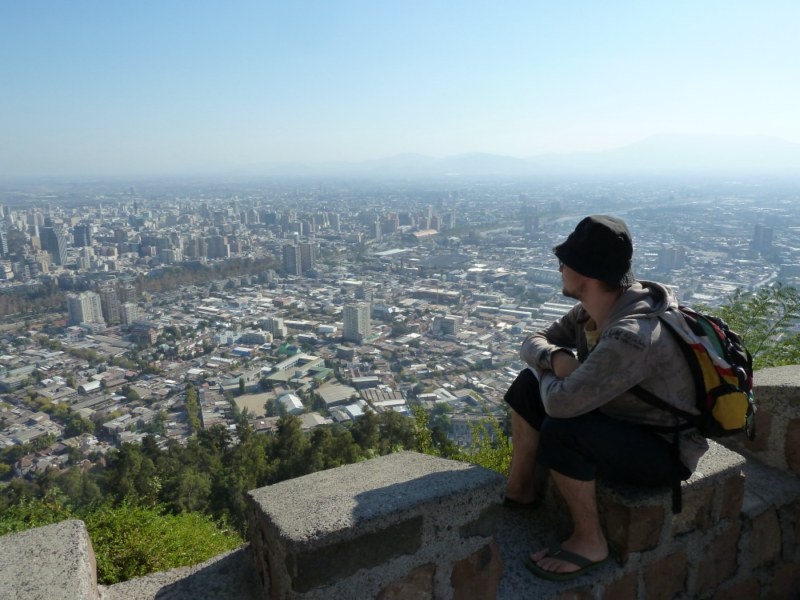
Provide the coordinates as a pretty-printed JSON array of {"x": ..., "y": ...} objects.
[{"x": 646, "y": 299}]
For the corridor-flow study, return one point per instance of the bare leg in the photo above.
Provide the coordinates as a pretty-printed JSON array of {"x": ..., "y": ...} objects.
[
  {"x": 587, "y": 537},
  {"x": 520, "y": 485}
]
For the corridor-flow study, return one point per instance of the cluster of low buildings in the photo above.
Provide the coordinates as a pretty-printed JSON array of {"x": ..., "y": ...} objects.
[{"x": 358, "y": 304}]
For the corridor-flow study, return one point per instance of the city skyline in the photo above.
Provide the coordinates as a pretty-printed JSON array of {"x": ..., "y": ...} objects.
[{"x": 151, "y": 88}]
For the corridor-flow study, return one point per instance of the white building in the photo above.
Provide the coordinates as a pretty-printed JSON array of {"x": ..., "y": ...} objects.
[
  {"x": 356, "y": 322},
  {"x": 291, "y": 404},
  {"x": 84, "y": 308}
]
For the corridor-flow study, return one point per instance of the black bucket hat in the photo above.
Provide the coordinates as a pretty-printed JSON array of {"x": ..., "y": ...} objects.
[{"x": 600, "y": 248}]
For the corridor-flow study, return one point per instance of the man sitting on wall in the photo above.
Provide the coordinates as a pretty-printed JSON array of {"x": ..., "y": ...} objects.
[{"x": 571, "y": 410}]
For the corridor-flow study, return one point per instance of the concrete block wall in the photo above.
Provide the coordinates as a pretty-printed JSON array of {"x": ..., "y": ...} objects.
[
  {"x": 399, "y": 526},
  {"x": 413, "y": 526},
  {"x": 777, "y": 443},
  {"x": 49, "y": 563}
]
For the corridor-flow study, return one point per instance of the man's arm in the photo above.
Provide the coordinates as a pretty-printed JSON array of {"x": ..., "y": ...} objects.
[
  {"x": 563, "y": 363},
  {"x": 618, "y": 362},
  {"x": 539, "y": 348}
]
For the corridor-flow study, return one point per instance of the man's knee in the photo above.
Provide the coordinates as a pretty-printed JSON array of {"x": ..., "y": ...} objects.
[
  {"x": 560, "y": 432},
  {"x": 524, "y": 387},
  {"x": 524, "y": 398}
]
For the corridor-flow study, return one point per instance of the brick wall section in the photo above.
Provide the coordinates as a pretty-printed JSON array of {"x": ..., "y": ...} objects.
[
  {"x": 323, "y": 566},
  {"x": 666, "y": 578},
  {"x": 698, "y": 508},
  {"x": 741, "y": 590},
  {"x": 417, "y": 585},
  {"x": 766, "y": 542},
  {"x": 786, "y": 581},
  {"x": 626, "y": 586},
  {"x": 580, "y": 594},
  {"x": 476, "y": 577},
  {"x": 633, "y": 528},
  {"x": 790, "y": 528},
  {"x": 732, "y": 497},
  {"x": 792, "y": 451},
  {"x": 720, "y": 563},
  {"x": 777, "y": 443}
]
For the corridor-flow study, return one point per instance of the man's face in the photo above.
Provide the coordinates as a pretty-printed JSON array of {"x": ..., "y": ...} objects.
[{"x": 572, "y": 283}]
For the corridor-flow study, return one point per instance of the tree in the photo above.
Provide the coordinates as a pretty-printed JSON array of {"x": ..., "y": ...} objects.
[
  {"x": 192, "y": 408},
  {"x": 365, "y": 431},
  {"x": 76, "y": 425},
  {"x": 397, "y": 432},
  {"x": 72, "y": 381},
  {"x": 291, "y": 447},
  {"x": 194, "y": 489},
  {"x": 764, "y": 320}
]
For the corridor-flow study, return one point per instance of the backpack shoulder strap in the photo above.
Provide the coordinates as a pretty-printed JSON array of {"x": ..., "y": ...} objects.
[
  {"x": 673, "y": 321},
  {"x": 689, "y": 419}
]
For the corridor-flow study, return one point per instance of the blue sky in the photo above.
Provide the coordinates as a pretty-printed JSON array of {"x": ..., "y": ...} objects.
[{"x": 119, "y": 87}]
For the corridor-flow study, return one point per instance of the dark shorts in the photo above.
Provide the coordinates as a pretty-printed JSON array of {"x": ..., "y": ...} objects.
[{"x": 594, "y": 445}]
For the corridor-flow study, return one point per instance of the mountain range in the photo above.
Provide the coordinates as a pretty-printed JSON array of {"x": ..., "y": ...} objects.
[{"x": 659, "y": 155}]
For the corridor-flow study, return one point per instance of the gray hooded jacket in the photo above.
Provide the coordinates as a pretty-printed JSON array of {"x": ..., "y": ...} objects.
[{"x": 632, "y": 348}]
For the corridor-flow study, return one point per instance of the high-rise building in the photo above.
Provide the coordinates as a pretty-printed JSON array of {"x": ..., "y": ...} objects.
[
  {"x": 128, "y": 313},
  {"x": 375, "y": 231},
  {"x": 365, "y": 294},
  {"x": 276, "y": 327},
  {"x": 670, "y": 258},
  {"x": 218, "y": 247},
  {"x": 82, "y": 236},
  {"x": 84, "y": 308},
  {"x": 308, "y": 256},
  {"x": 762, "y": 238},
  {"x": 54, "y": 242},
  {"x": 127, "y": 292},
  {"x": 446, "y": 324},
  {"x": 109, "y": 303},
  {"x": 292, "y": 260},
  {"x": 356, "y": 322},
  {"x": 170, "y": 256}
]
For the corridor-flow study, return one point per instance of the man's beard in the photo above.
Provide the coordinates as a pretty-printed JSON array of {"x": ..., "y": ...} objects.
[{"x": 575, "y": 293}]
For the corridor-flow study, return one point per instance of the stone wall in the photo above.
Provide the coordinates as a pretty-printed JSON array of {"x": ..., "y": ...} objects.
[
  {"x": 413, "y": 526},
  {"x": 399, "y": 526}
]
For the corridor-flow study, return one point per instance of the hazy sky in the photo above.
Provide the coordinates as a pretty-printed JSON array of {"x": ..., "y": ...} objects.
[{"x": 124, "y": 87}]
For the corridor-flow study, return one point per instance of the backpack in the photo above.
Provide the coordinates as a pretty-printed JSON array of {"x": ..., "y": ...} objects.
[{"x": 722, "y": 369}]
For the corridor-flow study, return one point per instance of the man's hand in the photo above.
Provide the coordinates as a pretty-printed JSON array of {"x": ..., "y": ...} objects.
[{"x": 563, "y": 363}]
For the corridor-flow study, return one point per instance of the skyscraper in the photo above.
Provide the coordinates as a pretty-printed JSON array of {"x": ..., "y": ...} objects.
[
  {"x": 356, "y": 322},
  {"x": 308, "y": 256},
  {"x": 82, "y": 234},
  {"x": 292, "y": 260},
  {"x": 109, "y": 303},
  {"x": 54, "y": 242}
]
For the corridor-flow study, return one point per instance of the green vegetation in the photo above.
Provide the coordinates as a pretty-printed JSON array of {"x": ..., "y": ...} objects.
[
  {"x": 153, "y": 509},
  {"x": 130, "y": 541},
  {"x": 765, "y": 319}
]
